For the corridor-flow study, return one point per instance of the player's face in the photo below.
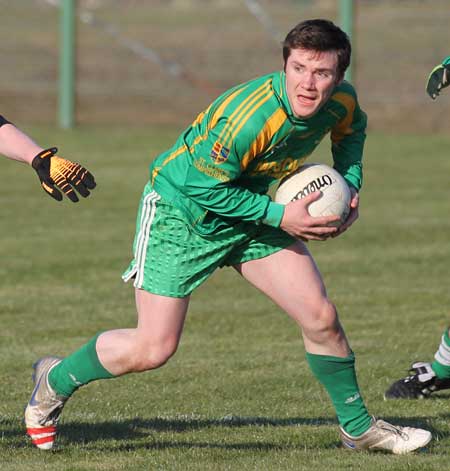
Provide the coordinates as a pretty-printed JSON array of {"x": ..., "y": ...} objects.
[{"x": 310, "y": 79}]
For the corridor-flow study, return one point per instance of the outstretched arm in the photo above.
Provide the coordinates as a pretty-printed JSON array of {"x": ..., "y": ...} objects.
[
  {"x": 15, "y": 144},
  {"x": 55, "y": 173}
]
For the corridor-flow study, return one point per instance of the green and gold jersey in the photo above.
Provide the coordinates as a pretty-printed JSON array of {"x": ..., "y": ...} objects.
[{"x": 221, "y": 167}]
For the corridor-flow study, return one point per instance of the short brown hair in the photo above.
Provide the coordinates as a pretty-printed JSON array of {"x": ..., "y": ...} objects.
[{"x": 319, "y": 35}]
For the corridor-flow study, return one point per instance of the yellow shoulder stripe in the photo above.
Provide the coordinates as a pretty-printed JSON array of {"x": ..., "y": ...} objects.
[
  {"x": 273, "y": 124},
  {"x": 343, "y": 127},
  {"x": 263, "y": 99},
  {"x": 237, "y": 119},
  {"x": 238, "y": 114},
  {"x": 199, "y": 118},
  {"x": 220, "y": 110}
]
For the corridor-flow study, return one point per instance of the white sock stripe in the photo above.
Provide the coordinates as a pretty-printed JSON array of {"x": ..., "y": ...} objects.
[
  {"x": 445, "y": 350},
  {"x": 145, "y": 235},
  {"x": 442, "y": 359},
  {"x": 443, "y": 354},
  {"x": 444, "y": 345}
]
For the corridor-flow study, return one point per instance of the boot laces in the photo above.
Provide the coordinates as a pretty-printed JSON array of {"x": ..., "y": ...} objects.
[{"x": 393, "y": 429}]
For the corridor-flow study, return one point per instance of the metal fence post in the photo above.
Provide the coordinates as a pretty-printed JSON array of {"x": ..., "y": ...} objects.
[
  {"x": 67, "y": 64},
  {"x": 346, "y": 16}
]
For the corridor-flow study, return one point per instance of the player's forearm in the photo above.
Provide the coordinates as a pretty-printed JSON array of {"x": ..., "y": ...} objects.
[
  {"x": 347, "y": 157},
  {"x": 348, "y": 145},
  {"x": 237, "y": 203},
  {"x": 351, "y": 171},
  {"x": 213, "y": 186},
  {"x": 16, "y": 145}
]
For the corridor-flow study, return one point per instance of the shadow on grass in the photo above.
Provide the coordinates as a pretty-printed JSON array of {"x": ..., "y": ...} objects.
[
  {"x": 138, "y": 428},
  {"x": 141, "y": 427},
  {"x": 77, "y": 433},
  {"x": 148, "y": 429}
]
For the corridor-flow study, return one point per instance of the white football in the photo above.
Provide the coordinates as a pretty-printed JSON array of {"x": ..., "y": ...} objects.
[{"x": 336, "y": 196}]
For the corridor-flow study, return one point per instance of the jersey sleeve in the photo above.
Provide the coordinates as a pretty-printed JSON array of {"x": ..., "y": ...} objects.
[
  {"x": 348, "y": 137},
  {"x": 211, "y": 180}
]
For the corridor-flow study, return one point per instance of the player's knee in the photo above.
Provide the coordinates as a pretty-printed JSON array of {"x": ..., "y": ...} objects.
[
  {"x": 153, "y": 356},
  {"x": 324, "y": 324}
]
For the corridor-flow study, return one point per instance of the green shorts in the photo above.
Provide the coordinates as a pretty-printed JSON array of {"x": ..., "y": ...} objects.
[{"x": 171, "y": 259}]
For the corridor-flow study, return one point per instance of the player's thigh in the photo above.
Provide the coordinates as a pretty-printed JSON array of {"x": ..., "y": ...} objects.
[
  {"x": 160, "y": 318},
  {"x": 290, "y": 278}
]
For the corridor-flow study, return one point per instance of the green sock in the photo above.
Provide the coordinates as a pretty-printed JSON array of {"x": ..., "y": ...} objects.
[
  {"x": 78, "y": 369},
  {"x": 339, "y": 378},
  {"x": 441, "y": 364}
]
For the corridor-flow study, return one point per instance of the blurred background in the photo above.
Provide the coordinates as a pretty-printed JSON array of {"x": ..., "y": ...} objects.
[{"x": 147, "y": 62}]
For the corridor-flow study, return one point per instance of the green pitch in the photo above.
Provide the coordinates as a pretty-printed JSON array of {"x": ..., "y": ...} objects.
[{"x": 238, "y": 394}]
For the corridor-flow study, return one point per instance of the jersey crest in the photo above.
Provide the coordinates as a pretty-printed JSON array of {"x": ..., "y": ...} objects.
[{"x": 219, "y": 153}]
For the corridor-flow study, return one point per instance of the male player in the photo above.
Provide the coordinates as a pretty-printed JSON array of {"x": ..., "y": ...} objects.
[
  {"x": 426, "y": 378},
  {"x": 206, "y": 206},
  {"x": 55, "y": 173}
]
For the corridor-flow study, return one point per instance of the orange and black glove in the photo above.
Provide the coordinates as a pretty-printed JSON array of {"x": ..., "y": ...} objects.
[{"x": 55, "y": 172}]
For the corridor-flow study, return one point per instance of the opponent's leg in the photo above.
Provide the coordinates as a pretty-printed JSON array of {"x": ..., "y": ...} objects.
[
  {"x": 110, "y": 354},
  {"x": 424, "y": 378},
  {"x": 291, "y": 279},
  {"x": 441, "y": 363}
]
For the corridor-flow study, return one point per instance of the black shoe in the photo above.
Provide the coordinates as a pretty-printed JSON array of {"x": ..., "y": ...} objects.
[{"x": 419, "y": 385}]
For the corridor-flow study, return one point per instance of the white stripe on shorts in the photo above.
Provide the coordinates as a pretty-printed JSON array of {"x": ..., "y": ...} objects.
[{"x": 147, "y": 216}]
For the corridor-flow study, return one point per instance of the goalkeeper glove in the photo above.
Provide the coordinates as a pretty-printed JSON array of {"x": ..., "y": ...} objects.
[
  {"x": 439, "y": 78},
  {"x": 55, "y": 172}
]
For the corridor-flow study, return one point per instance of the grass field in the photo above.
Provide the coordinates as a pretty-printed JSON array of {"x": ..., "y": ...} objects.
[{"x": 238, "y": 395}]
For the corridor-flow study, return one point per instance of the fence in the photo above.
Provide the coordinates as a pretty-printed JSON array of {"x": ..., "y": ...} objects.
[{"x": 160, "y": 62}]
